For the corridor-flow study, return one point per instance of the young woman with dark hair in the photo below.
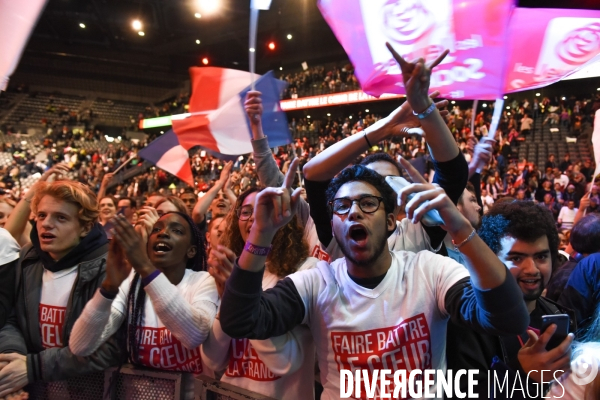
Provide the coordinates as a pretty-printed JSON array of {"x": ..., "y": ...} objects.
[{"x": 168, "y": 302}]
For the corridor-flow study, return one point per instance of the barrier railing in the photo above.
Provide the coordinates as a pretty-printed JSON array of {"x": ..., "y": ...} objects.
[{"x": 132, "y": 383}]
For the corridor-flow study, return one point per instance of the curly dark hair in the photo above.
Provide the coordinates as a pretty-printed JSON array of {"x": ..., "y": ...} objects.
[
  {"x": 522, "y": 220},
  {"x": 362, "y": 174},
  {"x": 289, "y": 246},
  {"x": 136, "y": 298}
]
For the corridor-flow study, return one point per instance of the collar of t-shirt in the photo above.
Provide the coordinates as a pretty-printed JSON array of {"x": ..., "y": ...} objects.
[{"x": 369, "y": 283}]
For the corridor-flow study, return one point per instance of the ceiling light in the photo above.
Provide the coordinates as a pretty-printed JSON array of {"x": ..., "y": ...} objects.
[
  {"x": 350, "y": 117},
  {"x": 308, "y": 116},
  {"x": 367, "y": 110},
  {"x": 136, "y": 24},
  {"x": 252, "y": 49},
  {"x": 507, "y": 107},
  {"x": 208, "y": 6},
  {"x": 289, "y": 36},
  {"x": 141, "y": 33},
  {"x": 564, "y": 98},
  {"x": 272, "y": 45},
  {"x": 205, "y": 61},
  {"x": 197, "y": 41},
  {"x": 328, "y": 114},
  {"x": 452, "y": 102},
  {"x": 281, "y": 68},
  {"x": 484, "y": 105},
  {"x": 198, "y": 15},
  {"x": 505, "y": 97},
  {"x": 82, "y": 25},
  {"x": 537, "y": 95}
]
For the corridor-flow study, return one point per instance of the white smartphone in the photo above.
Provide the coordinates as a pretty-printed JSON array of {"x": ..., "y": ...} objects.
[{"x": 431, "y": 217}]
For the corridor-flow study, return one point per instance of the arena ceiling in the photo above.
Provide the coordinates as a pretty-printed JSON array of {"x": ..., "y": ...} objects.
[{"x": 171, "y": 31}]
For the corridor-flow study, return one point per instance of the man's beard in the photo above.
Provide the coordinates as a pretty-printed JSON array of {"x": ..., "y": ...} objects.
[
  {"x": 535, "y": 295},
  {"x": 380, "y": 247}
]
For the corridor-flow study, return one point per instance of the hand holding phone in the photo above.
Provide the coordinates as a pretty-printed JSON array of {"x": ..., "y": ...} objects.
[
  {"x": 562, "y": 328},
  {"x": 431, "y": 218}
]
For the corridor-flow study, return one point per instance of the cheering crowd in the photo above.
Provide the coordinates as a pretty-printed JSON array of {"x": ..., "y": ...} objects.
[{"x": 259, "y": 281}]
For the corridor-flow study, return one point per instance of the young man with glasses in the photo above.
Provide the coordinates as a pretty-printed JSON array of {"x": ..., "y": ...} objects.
[{"x": 373, "y": 308}]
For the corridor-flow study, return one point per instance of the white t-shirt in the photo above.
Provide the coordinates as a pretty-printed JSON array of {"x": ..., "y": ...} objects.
[
  {"x": 567, "y": 217},
  {"x": 9, "y": 248},
  {"x": 281, "y": 367},
  {"x": 159, "y": 348},
  {"x": 407, "y": 237},
  {"x": 56, "y": 290},
  {"x": 401, "y": 324}
]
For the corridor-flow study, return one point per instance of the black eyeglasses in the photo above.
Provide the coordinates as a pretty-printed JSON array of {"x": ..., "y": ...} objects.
[
  {"x": 368, "y": 204},
  {"x": 244, "y": 213}
]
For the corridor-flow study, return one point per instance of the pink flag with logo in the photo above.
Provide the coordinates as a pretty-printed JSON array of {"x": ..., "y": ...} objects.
[
  {"x": 549, "y": 44},
  {"x": 474, "y": 31}
]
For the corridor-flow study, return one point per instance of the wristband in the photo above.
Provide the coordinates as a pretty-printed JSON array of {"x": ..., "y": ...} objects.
[
  {"x": 468, "y": 239},
  {"x": 427, "y": 111},
  {"x": 367, "y": 139},
  {"x": 257, "y": 250}
]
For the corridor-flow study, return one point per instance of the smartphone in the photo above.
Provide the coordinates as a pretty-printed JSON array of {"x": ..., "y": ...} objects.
[
  {"x": 562, "y": 328},
  {"x": 431, "y": 217}
]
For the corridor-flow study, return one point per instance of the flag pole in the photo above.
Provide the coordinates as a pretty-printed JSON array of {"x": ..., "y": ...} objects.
[{"x": 252, "y": 49}]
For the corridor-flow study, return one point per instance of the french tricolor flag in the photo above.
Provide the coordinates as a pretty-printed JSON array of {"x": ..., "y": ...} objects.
[{"x": 217, "y": 121}]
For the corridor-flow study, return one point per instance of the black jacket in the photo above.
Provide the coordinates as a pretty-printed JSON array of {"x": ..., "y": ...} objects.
[
  {"x": 22, "y": 332},
  {"x": 468, "y": 349}
]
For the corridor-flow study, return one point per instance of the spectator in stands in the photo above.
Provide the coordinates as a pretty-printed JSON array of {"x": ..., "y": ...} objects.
[
  {"x": 546, "y": 188},
  {"x": 181, "y": 300},
  {"x": 189, "y": 198},
  {"x": 486, "y": 200},
  {"x": 584, "y": 240},
  {"x": 170, "y": 204},
  {"x": 566, "y": 163},
  {"x": 214, "y": 231},
  {"x": 127, "y": 207},
  {"x": 566, "y": 217},
  {"x": 217, "y": 200},
  {"x": 526, "y": 124},
  {"x": 152, "y": 199},
  {"x": 551, "y": 162},
  {"x": 67, "y": 255},
  {"x": 525, "y": 239},
  {"x": 108, "y": 209}
]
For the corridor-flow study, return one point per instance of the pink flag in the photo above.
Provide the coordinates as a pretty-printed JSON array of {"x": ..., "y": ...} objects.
[
  {"x": 547, "y": 45},
  {"x": 474, "y": 31},
  {"x": 17, "y": 19}
]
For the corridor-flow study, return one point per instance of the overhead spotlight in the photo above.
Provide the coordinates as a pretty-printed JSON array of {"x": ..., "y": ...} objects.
[
  {"x": 308, "y": 116},
  {"x": 350, "y": 117},
  {"x": 505, "y": 97},
  {"x": 82, "y": 25},
  {"x": 564, "y": 98},
  {"x": 252, "y": 49},
  {"x": 197, "y": 41},
  {"x": 141, "y": 33},
  {"x": 281, "y": 68},
  {"x": 328, "y": 114},
  {"x": 208, "y": 6},
  {"x": 198, "y": 15},
  {"x": 507, "y": 113},
  {"x": 484, "y": 105},
  {"x": 452, "y": 102},
  {"x": 289, "y": 36},
  {"x": 205, "y": 61},
  {"x": 507, "y": 107},
  {"x": 272, "y": 45},
  {"x": 598, "y": 89},
  {"x": 537, "y": 95},
  {"x": 367, "y": 110},
  {"x": 136, "y": 24}
]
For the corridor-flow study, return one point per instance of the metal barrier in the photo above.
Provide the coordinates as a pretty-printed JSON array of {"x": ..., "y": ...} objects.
[
  {"x": 134, "y": 383},
  {"x": 211, "y": 389}
]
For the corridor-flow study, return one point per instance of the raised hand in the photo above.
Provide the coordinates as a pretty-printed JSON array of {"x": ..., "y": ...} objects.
[
  {"x": 147, "y": 218},
  {"x": 220, "y": 265},
  {"x": 225, "y": 172},
  {"x": 117, "y": 267},
  {"x": 275, "y": 207},
  {"x": 534, "y": 357},
  {"x": 57, "y": 170},
  {"x": 133, "y": 246},
  {"x": 416, "y": 77},
  {"x": 253, "y": 106},
  {"x": 402, "y": 119}
]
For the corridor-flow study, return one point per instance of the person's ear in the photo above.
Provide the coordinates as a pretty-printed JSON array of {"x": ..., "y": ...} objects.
[
  {"x": 390, "y": 222},
  {"x": 191, "y": 251},
  {"x": 85, "y": 229}
]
